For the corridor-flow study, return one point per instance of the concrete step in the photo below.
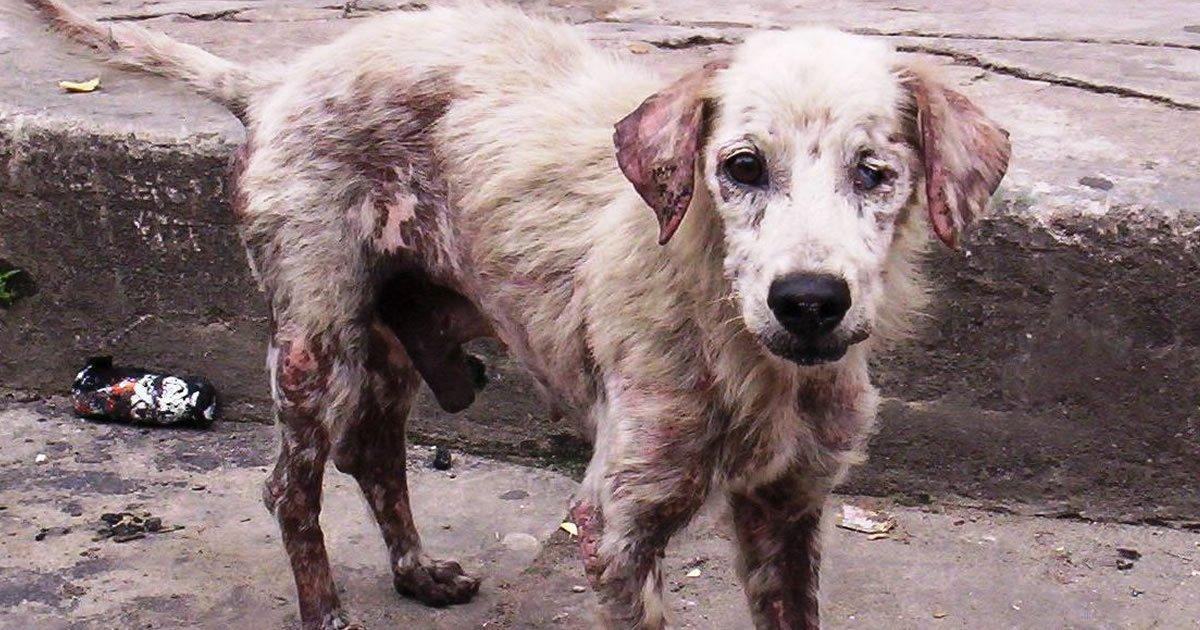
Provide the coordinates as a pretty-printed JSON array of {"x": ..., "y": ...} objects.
[
  {"x": 940, "y": 566},
  {"x": 1057, "y": 371}
]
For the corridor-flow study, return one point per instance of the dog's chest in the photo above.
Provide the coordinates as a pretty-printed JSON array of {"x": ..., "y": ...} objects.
[{"x": 819, "y": 429}]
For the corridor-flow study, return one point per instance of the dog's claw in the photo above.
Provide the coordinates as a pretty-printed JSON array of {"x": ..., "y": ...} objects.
[
  {"x": 436, "y": 583},
  {"x": 336, "y": 621}
]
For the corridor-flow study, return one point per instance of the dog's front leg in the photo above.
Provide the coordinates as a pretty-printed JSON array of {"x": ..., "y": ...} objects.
[
  {"x": 778, "y": 529},
  {"x": 645, "y": 482}
]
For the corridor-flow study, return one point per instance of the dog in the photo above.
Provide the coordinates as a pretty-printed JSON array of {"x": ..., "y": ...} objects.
[{"x": 696, "y": 270}]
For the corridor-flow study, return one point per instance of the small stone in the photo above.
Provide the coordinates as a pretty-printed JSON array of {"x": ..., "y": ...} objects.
[
  {"x": 153, "y": 524},
  {"x": 1098, "y": 183},
  {"x": 40, "y": 458},
  {"x": 578, "y": 588},
  {"x": 73, "y": 590},
  {"x": 520, "y": 541},
  {"x": 198, "y": 487},
  {"x": 514, "y": 495},
  {"x": 1124, "y": 565},
  {"x": 442, "y": 460},
  {"x": 1129, "y": 554}
]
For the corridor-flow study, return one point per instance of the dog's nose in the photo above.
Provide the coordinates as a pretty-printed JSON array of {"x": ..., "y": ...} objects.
[{"x": 809, "y": 304}]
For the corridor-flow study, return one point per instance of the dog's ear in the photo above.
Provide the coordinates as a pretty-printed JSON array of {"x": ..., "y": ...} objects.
[
  {"x": 658, "y": 143},
  {"x": 964, "y": 154}
]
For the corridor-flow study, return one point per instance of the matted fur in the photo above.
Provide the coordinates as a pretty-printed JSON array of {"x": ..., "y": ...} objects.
[{"x": 429, "y": 178}]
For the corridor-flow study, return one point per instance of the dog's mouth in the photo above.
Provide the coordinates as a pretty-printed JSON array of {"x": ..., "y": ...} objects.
[{"x": 815, "y": 350}]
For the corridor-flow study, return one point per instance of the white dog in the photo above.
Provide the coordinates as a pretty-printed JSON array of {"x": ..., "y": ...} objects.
[{"x": 434, "y": 177}]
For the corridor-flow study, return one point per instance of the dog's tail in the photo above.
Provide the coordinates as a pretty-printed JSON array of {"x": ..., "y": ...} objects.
[{"x": 222, "y": 80}]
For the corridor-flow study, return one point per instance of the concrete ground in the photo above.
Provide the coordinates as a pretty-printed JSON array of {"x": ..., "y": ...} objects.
[{"x": 942, "y": 566}]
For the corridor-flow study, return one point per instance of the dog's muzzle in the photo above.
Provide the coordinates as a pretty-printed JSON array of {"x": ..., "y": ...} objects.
[{"x": 809, "y": 307}]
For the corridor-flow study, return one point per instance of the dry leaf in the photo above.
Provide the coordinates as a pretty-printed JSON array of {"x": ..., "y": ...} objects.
[
  {"x": 86, "y": 86},
  {"x": 570, "y": 528},
  {"x": 639, "y": 48}
]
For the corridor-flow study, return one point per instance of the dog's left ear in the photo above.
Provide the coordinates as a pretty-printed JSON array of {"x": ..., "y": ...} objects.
[
  {"x": 964, "y": 154},
  {"x": 658, "y": 143}
]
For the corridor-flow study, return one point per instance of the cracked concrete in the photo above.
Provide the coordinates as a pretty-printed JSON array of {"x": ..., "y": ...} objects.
[
  {"x": 941, "y": 567},
  {"x": 1060, "y": 376}
]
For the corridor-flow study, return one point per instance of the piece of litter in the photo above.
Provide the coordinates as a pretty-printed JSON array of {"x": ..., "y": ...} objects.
[
  {"x": 694, "y": 573},
  {"x": 40, "y": 459},
  {"x": 940, "y": 615},
  {"x": 85, "y": 86},
  {"x": 865, "y": 521},
  {"x": 639, "y": 48},
  {"x": 879, "y": 536},
  {"x": 570, "y": 528}
]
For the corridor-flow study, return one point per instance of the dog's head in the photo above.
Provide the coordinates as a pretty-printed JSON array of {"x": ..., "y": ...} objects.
[{"x": 826, "y": 158}]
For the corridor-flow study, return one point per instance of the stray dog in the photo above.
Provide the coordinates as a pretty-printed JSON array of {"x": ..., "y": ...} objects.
[{"x": 699, "y": 289}]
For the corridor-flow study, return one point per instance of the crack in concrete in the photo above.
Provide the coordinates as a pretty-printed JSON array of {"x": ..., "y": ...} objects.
[
  {"x": 1047, "y": 77},
  {"x": 916, "y": 33},
  {"x": 210, "y": 16},
  {"x": 1023, "y": 38},
  {"x": 699, "y": 40}
]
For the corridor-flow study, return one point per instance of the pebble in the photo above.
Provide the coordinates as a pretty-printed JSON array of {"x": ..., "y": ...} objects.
[{"x": 520, "y": 541}]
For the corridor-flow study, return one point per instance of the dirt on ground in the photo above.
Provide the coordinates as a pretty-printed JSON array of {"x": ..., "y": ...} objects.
[{"x": 106, "y": 526}]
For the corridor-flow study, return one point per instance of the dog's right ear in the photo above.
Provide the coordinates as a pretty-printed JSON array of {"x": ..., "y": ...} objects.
[{"x": 658, "y": 143}]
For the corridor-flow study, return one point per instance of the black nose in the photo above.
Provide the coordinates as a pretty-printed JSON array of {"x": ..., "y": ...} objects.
[{"x": 809, "y": 304}]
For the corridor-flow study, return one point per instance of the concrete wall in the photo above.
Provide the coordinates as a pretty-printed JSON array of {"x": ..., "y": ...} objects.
[{"x": 1057, "y": 369}]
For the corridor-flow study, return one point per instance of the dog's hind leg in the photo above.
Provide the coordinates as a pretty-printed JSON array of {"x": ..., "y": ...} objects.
[
  {"x": 300, "y": 373},
  {"x": 371, "y": 447}
]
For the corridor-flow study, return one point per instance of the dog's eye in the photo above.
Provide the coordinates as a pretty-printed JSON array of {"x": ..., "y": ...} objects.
[
  {"x": 745, "y": 167},
  {"x": 868, "y": 177}
]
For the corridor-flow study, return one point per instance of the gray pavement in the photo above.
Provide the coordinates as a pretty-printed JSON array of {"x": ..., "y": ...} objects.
[{"x": 941, "y": 567}]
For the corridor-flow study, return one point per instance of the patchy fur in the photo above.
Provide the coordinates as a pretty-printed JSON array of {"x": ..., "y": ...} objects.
[{"x": 432, "y": 177}]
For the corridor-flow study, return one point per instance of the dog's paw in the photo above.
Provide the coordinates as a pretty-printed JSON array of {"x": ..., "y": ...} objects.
[
  {"x": 436, "y": 583},
  {"x": 336, "y": 620}
]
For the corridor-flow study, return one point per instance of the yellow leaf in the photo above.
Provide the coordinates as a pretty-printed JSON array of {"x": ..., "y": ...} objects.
[
  {"x": 570, "y": 528},
  {"x": 86, "y": 86}
]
